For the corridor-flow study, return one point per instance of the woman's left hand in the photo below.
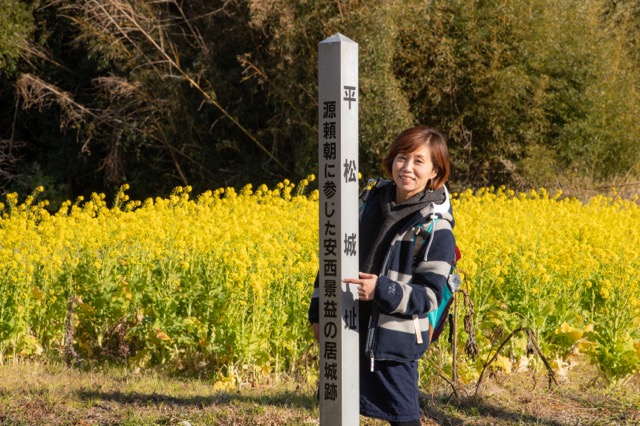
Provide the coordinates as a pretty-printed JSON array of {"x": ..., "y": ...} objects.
[{"x": 366, "y": 285}]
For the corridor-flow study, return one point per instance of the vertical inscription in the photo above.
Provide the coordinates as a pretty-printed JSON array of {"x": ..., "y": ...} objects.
[{"x": 338, "y": 230}]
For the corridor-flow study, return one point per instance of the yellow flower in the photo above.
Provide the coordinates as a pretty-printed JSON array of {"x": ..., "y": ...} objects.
[{"x": 527, "y": 255}]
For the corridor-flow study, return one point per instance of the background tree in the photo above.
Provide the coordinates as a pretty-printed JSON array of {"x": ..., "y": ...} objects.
[
  {"x": 526, "y": 90},
  {"x": 16, "y": 23},
  {"x": 223, "y": 92}
]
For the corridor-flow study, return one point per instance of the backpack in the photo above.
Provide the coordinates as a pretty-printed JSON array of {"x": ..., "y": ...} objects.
[{"x": 438, "y": 318}]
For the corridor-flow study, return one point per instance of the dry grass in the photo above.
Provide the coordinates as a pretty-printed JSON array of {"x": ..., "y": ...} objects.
[
  {"x": 581, "y": 398},
  {"x": 51, "y": 394}
]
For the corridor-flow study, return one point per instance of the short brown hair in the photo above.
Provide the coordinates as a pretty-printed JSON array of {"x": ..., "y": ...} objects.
[{"x": 410, "y": 140}]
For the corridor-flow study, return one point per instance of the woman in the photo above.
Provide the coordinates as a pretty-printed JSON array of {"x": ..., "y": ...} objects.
[{"x": 402, "y": 277}]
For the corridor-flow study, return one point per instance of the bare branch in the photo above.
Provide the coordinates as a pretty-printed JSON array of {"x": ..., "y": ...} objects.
[
  {"x": 532, "y": 339},
  {"x": 145, "y": 34},
  {"x": 9, "y": 162},
  {"x": 35, "y": 92}
]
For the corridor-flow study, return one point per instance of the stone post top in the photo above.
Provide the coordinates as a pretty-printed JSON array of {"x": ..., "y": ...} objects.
[{"x": 337, "y": 38}]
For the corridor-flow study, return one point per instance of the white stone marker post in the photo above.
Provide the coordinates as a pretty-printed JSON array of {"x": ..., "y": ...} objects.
[{"x": 338, "y": 231}]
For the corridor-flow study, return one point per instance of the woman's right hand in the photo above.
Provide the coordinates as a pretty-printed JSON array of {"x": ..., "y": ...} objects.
[{"x": 316, "y": 331}]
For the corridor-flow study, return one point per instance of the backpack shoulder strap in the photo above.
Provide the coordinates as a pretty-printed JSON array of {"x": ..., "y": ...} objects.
[
  {"x": 372, "y": 184},
  {"x": 423, "y": 235}
]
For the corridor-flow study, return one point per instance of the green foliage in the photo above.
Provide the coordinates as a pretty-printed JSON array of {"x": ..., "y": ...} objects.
[
  {"x": 211, "y": 93},
  {"x": 513, "y": 80},
  {"x": 16, "y": 23}
]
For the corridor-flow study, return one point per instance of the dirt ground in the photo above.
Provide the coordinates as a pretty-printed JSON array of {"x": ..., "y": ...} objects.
[
  {"x": 581, "y": 397},
  {"x": 51, "y": 394}
]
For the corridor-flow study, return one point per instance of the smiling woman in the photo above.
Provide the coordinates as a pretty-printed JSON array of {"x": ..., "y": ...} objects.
[
  {"x": 400, "y": 280},
  {"x": 418, "y": 159},
  {"x": 411, "y": 172}
]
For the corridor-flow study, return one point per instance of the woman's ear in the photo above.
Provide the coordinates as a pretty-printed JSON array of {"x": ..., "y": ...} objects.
[{"x": 428, "y": 187}]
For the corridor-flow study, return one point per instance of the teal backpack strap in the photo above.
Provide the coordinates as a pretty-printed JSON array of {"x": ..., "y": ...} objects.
[
  {"x": 426, "y": 235},
  {"x": 430, "y": 229}
]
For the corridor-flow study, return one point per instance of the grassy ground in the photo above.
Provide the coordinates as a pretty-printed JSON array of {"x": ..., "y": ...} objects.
[{"x": 39, "y": 394}]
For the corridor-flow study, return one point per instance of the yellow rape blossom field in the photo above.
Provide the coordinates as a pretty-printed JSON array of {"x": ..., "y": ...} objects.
[
  {"x": 220, "y": 282},
  {"x": 567, "y": 269}
]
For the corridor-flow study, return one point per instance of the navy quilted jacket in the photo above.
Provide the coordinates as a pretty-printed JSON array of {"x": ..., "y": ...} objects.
[{"x": 415, "y": 271}]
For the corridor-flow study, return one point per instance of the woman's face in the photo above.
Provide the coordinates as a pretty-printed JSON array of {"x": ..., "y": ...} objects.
[{"x": 411, "y": 171}]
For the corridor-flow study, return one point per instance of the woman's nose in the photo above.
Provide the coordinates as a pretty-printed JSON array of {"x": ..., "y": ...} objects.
[{"x": 407, "y": 165}]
